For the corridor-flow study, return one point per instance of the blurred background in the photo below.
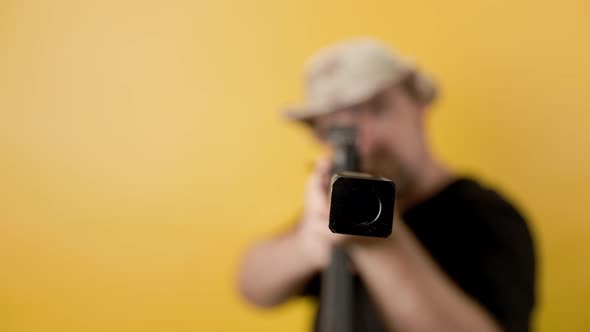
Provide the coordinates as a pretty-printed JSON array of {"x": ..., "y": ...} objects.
[{"x": 142, "y": 151}]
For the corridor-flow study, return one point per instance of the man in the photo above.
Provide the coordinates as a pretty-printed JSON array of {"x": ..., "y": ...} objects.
[{"x": 460, "y": 257}]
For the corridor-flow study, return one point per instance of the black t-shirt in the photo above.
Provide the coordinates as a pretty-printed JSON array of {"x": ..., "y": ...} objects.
[{"x": 483, "y": 244}]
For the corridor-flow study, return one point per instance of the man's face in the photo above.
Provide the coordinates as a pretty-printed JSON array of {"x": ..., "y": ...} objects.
[{"x": 390, "y": 139}]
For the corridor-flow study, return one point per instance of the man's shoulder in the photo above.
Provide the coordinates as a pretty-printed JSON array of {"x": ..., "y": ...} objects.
[
  {"x": 471, "y": 196},
  {"x": 463, "y": 194},
  {"x": 487, "y": 203},
  {"x": 467, "y": 207}
]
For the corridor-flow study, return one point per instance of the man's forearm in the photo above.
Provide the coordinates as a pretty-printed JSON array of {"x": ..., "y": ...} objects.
[
  {"x": 275, "y": 269},
  {"x": 410, "y": 292}
]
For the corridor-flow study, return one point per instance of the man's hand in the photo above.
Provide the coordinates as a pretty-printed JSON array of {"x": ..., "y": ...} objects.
[{"x": 313, "y": 232}]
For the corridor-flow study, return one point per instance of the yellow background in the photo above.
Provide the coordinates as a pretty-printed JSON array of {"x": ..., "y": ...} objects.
[{"x": 141, "y": 149}]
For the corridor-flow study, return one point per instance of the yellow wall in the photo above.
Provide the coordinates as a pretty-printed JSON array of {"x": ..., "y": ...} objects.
[{"x": 141, "y": 151}]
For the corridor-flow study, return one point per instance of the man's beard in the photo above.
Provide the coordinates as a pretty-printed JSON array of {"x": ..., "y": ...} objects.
[{"x": 383, "y": 164}]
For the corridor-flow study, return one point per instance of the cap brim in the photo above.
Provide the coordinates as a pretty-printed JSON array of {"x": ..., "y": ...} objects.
[
  {"x": 300, "y": 114},
  {"x": 303, "y": 113}
]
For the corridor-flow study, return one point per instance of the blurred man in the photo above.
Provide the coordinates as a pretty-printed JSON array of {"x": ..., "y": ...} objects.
[{"x": 460, "y": 257}]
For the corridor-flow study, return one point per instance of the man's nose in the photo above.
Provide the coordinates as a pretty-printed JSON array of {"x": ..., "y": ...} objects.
[{"x": 364, "y": 140}]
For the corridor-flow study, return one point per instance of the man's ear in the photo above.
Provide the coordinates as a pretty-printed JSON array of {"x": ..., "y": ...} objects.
[{"x": 421, "y": 88}]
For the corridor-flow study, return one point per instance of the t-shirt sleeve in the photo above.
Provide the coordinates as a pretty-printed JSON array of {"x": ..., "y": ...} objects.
[
  {"x": 312, "y": 288},
  {"x": 495, "y": 263}
]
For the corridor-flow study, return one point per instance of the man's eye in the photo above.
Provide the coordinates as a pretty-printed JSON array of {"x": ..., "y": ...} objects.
[
  {"x": 321, "y": 134},
  {"x": 378, "y": 109},
  {"x": 378, "y": 106}
]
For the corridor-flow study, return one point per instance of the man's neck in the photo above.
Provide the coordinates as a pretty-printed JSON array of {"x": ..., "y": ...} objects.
[{"x": 431, "y": 179}]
